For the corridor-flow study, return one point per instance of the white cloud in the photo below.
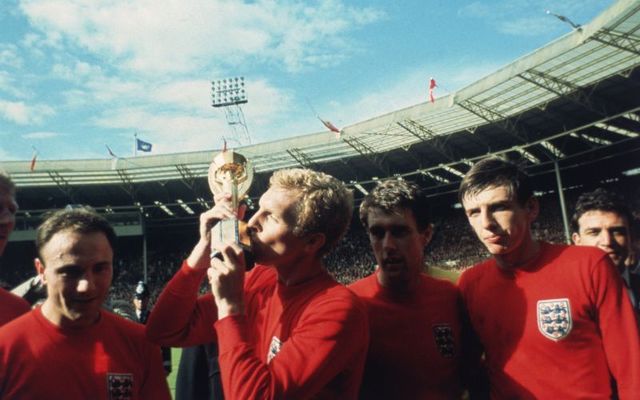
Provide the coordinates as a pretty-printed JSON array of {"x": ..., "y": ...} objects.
[
  {"x": 475, "y": 10},
  {"x": 182, "y": 36},
  {"x": 41, "y": 135},
  {"x": 9, "y": 86},
  {"x": 165, "y": 130},
  {"x": 532, "y": 26},
  {"x": 22, "y": 114},
  {"x": 77, "y": 71},
  {"x": 9, "y": 56},
  {"x": 188, "y": 94}
]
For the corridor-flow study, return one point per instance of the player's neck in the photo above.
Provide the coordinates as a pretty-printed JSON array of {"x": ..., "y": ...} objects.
[
  {"x": 519, "y": 257},
  {"x": 57, "y": 318},
  {"x": 300, "y": 271}
]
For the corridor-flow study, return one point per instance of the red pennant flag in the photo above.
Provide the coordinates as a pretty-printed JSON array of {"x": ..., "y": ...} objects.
[
  {"x": 331, "y": 127},
  {"x": 432, "y": 85},
  {"x": 32, "y": 167}
]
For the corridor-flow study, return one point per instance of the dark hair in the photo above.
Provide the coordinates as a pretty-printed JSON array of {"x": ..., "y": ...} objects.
[
  {"x": 600, "y": 200},
  {"x": 6, "y": 184},
  {"x": 80, "y": 220},
  {"x": 495, "y": 172},
  {"x": 397, "y": 194}
]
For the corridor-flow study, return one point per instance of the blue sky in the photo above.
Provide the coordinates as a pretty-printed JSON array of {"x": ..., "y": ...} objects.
[{"x": 78, "y": 75}]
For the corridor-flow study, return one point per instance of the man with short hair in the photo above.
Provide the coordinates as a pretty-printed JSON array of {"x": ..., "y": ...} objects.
[
  {"x": 70, "y": 347},
  {"x": 11, "y": 306},
  {"x": 603, "y": 219},
  {"x": 286, "y": 329},
  {"x": 554, "y": 320},
  {"x": 415, "y": 351}
]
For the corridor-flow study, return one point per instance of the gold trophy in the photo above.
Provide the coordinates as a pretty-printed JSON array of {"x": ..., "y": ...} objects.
[{"x": 231, "y": 172}]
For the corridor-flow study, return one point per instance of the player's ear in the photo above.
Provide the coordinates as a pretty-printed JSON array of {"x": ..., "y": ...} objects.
[
  {"x": 315, "y": 241},
  {"x": 39, "y": 265},
  {"x": 427, "y": 235},
  {"x": 575, "y": 238}
]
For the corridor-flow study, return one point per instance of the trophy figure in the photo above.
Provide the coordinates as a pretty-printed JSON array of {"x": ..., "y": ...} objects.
[{"x": 231, "y": 172}]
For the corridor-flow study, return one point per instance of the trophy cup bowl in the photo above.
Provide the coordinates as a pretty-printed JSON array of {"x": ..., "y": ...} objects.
[{"x": 231, "y": 172}]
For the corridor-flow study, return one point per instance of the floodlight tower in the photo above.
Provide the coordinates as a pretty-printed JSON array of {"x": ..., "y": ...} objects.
[{"x": 229, "y": 94}]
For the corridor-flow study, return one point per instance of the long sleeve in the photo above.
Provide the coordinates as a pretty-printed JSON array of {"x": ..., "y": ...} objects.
[
  {"x": 617, "y": 322},
  {"x": 180, "y": 318},
  {"x": 155, "y": 384},
  {"x": 331, "y": 338}
]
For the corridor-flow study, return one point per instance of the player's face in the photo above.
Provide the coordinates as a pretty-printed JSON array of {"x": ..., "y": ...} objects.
[
  {"x": 77, "y": 270},
  {"x": 8, "y": 209},
  {"x": 271, "y": 228},
  {"x": 606, "y": 230},
  {"x": 398, "y": 246},
  {"x": 501, "y": 223}
]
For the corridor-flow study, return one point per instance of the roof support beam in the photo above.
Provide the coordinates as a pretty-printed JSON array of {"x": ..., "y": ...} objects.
[
  {"x": 493, "y": 116},
  {"x": 62, "y": 184},
  {"x": 304, "y": 160},
  {"x": 428, "y": 136},
  {"x": 367, "y": 152},
  {"x": 127, "y": 183},
  {"x": 622, "y": 41},
  {"x": 188, "y": 177},
  {"x": 564, "y": 88}
]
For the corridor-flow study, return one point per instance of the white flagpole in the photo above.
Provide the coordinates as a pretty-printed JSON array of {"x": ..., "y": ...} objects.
[{"x": 135, "y": 144}]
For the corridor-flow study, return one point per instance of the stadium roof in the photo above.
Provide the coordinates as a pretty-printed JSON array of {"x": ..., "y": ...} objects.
[{"x": 572, "y": 103}]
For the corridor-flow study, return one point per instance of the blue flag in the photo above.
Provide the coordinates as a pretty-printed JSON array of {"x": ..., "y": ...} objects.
[{"x": 141, "y": 145}]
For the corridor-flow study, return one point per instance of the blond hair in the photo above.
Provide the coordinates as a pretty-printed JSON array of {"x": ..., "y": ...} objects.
[{"x": 324, "y": 205}]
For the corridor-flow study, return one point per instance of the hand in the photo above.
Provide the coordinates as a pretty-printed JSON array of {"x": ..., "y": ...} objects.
[
  {"x": 199, "y": 257},
  {"x": 227, "y": 280}
]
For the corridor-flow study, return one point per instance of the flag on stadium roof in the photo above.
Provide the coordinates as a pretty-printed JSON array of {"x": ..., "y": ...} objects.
[
  {"x": 32, "y": 166},
  {"x": 432, "y": 85},
  {"x": 331, "y": 127},
  {"x": 141, "y": 145},
  {"x": 111, "y": 153}
]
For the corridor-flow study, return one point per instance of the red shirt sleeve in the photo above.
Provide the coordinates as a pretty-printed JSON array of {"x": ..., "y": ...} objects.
[
  {"x": 155, "y": 384},
  {"x": 180, "y": 318},
  {"x": 619, "y": 328},
  {"x": 331, "y": 336}
]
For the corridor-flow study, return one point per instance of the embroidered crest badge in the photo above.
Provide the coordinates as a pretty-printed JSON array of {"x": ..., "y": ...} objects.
[
  {"x": 554, "y": 318},
  {"x": 120, "y": 386},
  {"x": 274, "y": 348},
  {"x": 443, "y": 335}
]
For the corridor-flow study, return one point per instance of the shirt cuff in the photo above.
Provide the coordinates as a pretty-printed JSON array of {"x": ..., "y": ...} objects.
[{"x": 231, "y": 331}]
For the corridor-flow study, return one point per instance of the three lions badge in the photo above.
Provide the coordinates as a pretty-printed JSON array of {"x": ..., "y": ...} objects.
[
  {"x": 120, "y": 386},
  {"x": 554, "y": 318},
  {"x": 443, "y": 335}
]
